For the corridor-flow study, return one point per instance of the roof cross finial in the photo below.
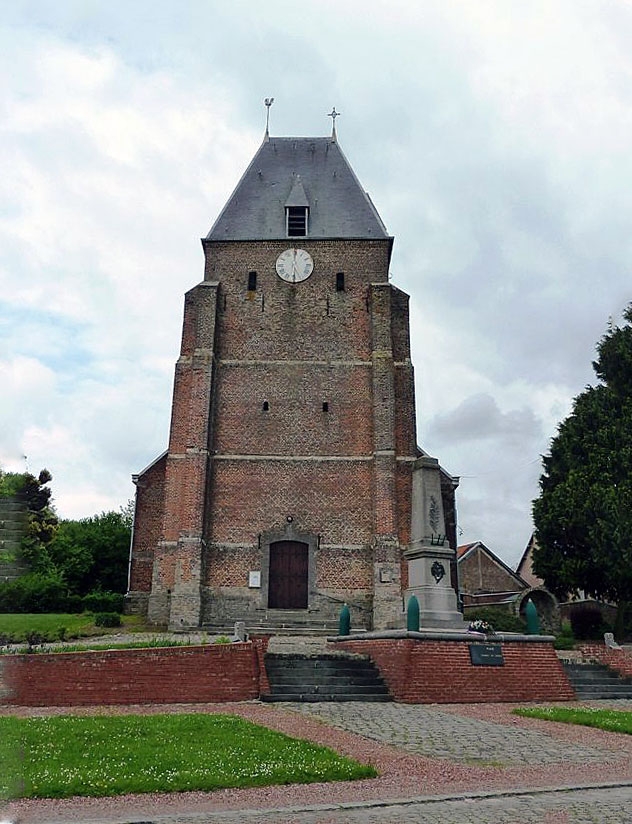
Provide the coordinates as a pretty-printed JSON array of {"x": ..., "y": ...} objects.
[
  {"x": 333, "y": 114},
  {"x": 268, "y": 101}
]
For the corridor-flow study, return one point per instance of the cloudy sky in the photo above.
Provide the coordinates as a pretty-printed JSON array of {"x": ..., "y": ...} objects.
[{"x": 493, "y": 136}]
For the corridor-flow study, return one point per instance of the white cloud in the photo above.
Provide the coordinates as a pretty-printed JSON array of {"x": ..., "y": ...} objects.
[{"x": 493, "y": 137}]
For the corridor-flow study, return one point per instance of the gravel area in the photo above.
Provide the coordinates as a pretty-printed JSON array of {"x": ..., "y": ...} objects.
[{"x": 598, "y": 757}]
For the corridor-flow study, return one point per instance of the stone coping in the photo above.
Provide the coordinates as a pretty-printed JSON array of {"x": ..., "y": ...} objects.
[{"x": 443, "y": 635}]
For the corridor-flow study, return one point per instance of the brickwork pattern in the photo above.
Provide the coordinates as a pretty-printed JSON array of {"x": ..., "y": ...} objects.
[
  {"x": 147, "y": 525},
  {"x": 479, "y": 573},
  {"x": 327, "y": 498},
  {"x": 143, "y": 676},
  {"x": 229, "y": 566},
  {"x": 271, "y": 324},
  {"x": 440, "y": 672},
  {"x": 294, "y": 422},
  {"x": 338, "y": 570}
]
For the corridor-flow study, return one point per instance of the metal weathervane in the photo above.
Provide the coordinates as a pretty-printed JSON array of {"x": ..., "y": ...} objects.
[{"x": 268, "y": 101}]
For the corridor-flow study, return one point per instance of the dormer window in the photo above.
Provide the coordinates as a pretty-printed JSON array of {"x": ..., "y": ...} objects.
[
  {"x": 296, "y": 219},
  {"x": 296, "y": 210}
]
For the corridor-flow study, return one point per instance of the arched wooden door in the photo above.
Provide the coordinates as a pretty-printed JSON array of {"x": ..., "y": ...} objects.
[{"x": 287, "y": 578}]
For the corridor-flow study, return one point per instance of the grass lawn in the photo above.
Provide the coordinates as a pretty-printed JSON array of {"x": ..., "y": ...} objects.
[
  {"x": 15, "y": 626},
  {"x": 610, "y": 720},
  {"x": 64, "y": 756}
]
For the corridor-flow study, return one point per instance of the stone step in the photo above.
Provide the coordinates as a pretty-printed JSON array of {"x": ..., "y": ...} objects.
[
  {"x": 329, "y": 689},
  {"x": 296, "y": 697},
  {"x": 594, "y": 681},
  {"x": 348, "y": 677},
  {"x": 323, "y": 677},
  {"x": 259, "y": 628}
]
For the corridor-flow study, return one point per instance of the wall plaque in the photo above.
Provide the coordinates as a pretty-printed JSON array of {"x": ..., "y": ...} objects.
[{"x": 486, "y": 655}]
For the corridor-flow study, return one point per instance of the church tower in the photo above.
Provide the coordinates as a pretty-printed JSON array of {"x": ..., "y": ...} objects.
[{"x": 286, "y": 488}]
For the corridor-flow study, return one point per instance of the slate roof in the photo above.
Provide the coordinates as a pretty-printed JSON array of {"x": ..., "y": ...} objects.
[{"x": 338, "y": 205}]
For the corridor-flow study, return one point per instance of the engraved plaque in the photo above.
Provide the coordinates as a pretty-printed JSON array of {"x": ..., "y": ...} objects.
[{"x": 486, "y": 655}]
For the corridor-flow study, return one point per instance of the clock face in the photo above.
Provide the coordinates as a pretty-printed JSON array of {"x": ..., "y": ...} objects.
[{"x": 294, "y": 265}]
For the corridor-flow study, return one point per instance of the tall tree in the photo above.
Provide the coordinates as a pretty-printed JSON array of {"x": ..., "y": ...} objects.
[
  {"x": 92, "y": 554},
  {"x": 583, "y": 517}
]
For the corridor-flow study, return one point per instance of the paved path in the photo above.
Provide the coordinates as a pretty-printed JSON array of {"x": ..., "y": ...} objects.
[{"x": 427, "y": 730}]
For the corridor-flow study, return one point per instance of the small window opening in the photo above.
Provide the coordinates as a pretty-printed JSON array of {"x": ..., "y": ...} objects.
[
  {"x": 252, "y": 281},
  {"x": 266, "y": 406},
  {"x": 296, "y": 221},
  {"x": 325, "y": 406},
  {"x": 340, "y": 282}
]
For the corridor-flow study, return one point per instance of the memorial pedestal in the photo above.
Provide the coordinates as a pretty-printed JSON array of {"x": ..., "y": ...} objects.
[{"x": 429, "y": 555}]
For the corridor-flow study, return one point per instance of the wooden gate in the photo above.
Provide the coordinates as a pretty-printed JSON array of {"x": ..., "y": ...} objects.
[{"x": 287, "y": 581}]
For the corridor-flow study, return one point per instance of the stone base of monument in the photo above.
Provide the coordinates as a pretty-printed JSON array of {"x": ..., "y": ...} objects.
[
  {"x": 429, "y": 581},
  {"x": 444, "y": 666}
]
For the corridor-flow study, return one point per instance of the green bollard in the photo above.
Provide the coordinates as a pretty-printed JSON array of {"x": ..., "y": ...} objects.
[
  {"x": 412, "y": 614},
  {"x": 344, "y": 626},
  {"x": 533, "y": 622}
]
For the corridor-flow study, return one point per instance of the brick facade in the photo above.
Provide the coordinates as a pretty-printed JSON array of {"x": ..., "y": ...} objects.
[
  {"x": 480, "y": 572},
  {"x": 293, "y": 409}
]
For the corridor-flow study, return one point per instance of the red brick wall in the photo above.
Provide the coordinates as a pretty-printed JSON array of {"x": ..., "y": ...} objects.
[
  {"x": 428, "y": 672},
  {"x": 147, "y": 525},
  {"x": 199, "y": 674},
  {"x": 617, "y": 659}
]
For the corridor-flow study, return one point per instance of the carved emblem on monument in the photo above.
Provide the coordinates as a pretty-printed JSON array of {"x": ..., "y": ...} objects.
[
  {"x": 433, "y": 514},
  {"x": 438, "y": 571}
]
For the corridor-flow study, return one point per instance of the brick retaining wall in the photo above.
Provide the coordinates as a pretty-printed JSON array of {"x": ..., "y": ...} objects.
[
  {"x": 197, "y": 674},
  {"x": 428, "y": 671},
  {"x": 619, "y": 660}
]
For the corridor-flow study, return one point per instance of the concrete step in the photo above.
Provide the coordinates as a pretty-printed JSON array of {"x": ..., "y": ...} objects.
[{"x": 313, "y": 698}]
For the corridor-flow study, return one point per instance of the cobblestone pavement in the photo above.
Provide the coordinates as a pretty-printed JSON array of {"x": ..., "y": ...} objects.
[{"x": 426, "y": 730}]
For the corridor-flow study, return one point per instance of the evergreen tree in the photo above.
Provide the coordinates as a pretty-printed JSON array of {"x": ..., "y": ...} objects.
[{"x": 583, "y": 517}]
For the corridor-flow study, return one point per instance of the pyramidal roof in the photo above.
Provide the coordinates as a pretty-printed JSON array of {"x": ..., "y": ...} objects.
[{"x": 298, "y": 171}]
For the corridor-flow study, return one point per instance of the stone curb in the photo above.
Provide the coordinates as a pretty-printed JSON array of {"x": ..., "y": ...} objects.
[{"x": 237, "y": 815}]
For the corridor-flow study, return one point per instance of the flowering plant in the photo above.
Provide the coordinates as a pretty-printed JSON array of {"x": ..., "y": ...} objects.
[{"x": 481, "y": 626}]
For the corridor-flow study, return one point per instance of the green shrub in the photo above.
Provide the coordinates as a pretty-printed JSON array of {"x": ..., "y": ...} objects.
[
  {"x": 34, "y": 592},
  {"x": 107, "y": 619},
  {"x": 103, "y": 602},
  {"x": 564, "y": 642},
  {"x": 500, "y": 619},
  {"x": 566, "y": 639},
  {"x": 74, "y": 604},
  {"x": 222, "y": 639}
]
